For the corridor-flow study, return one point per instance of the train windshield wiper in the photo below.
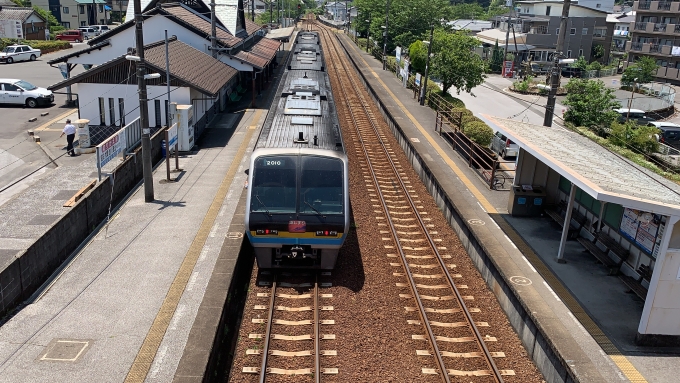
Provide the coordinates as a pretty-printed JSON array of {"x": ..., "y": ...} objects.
[
  {"x": 263, "y": 205},
  {"x": 313, "y": 208}
]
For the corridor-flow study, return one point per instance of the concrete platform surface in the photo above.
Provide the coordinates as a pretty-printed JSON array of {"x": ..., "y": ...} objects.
[
  {"x": 525, "y": 247},
  {"x": 93, "y": 319}
]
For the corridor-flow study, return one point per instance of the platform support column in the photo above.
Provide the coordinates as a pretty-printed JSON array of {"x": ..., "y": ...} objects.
[
  {"x": 567, "y": 224},
  {"x": 601, "y": 217}
]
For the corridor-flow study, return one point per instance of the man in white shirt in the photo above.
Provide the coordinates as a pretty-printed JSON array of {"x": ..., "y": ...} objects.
[{"x": 70, "y": 132}]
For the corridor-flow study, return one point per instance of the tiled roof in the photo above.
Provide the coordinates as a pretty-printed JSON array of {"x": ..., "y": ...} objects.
[
  {"x": 201, "y": 23},
  {"x": 192, "y": 66},
  {"x": 252, "y": 59},
  {"x": 252, "y": 27},
  {"x": 183, "y": 16},
  {"x": 260, "y": 54},
  {"x": 15, "y": 13},
  {"x": 188, "y": 67}
]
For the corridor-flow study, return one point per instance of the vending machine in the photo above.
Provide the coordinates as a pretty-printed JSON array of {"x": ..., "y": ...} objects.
[{"x": 184, "y": 116}]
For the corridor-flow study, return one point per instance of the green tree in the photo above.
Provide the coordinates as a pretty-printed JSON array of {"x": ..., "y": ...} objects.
[
  {"x": 643, "y": 70},
  {"x": 408, "y": 19},
  {"x": 417, "y": 53},
  {"x": 455, "y": 63},
  {"x": 53, "y": 24},
  {"x": 467, "y": 11},
  {"x": 596, "y": 52},
  {"x": 590, "y": 104},
  {"x": 496, "y": 63},
  {"x": 496, "y": 8}
]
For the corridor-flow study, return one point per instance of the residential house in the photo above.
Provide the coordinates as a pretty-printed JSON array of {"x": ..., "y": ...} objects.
[
  {"x": 252, "y": 56},
  {"x": 108, "y": 92},
  {"x": 260, "y": 6},
  {"x": 76, "y": 13},
  {"x": 33, "y": 25},
  {"x": 474, "y": 26},
  {"x": 540, "y": 21},
  {"x": 622, "y": 23},
  {"x": 337, "y": 10},
  {"x": 656, "y": 33}
]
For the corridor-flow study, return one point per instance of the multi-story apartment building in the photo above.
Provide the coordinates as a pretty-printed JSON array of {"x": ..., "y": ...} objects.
[
  {"x": 538, "y": 22},
  {"x": 76, "y": 13},
  {"x": 656, "y": 33}
]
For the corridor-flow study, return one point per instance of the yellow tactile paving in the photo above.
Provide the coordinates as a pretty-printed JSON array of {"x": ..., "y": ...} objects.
[
  {"x": 607, "y": 346},
  {"x": 142, "y": 363}
]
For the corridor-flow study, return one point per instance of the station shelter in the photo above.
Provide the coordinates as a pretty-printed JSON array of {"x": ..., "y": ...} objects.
[{"x": 633, "y": 207}]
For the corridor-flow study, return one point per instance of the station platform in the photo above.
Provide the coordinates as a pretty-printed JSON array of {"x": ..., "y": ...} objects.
[
  {"x": 589, "y": 320},
  {"x": 142, "y": 300}
]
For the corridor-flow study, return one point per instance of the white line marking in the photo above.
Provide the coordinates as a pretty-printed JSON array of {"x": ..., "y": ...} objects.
[
  {"x": 510, "y": 240},
  {"x": 529, "y": 263},
  {"x": 480, "y": 205},
  {"x": 192, "y": 281},
  {"x": 204, "y": 253},
  {"x": 551, "y": 291}
]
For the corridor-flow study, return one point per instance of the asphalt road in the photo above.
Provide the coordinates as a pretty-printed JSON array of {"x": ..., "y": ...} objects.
[{"x": 19, "y": 155}]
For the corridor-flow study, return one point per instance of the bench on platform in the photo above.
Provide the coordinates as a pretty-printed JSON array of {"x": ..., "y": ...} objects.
[
  {"x": 234, "y": 97},
  {"x": 240, "y": 89},
  {"x": 635, "y": 285},
  {"x": 613, "y": 246},
  {"x": 578, "y": 220},
  {"x": 621, "y": 254}
]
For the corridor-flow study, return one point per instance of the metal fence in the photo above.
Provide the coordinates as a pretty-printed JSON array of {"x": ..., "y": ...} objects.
[{"x": 600, "y": 73}]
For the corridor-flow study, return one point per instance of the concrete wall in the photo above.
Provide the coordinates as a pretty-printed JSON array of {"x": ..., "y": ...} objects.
[
  {"x": 27, "y": 272},
  {"x": 539, "y": 347}
]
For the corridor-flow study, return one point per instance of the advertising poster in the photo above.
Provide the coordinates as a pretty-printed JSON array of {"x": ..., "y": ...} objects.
[
  {"x": 629, "y": 224},
  {"x": 646, "y": 235},
  {"x": 398, "y": 54}
]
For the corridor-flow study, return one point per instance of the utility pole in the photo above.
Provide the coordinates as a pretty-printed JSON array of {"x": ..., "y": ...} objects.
[
  {"x": 252, "y": 8},
  {"x": 368, "y": 32},
  {"x": 213, "y": 30},
  {"x": 555, "y": 73},
  {"x": 143, "y": 104},
  {"x": 505, "y": 50},
  {"x": 387, "y": 17},
  {"x": 271, "y": 13},
  {"x": 423, "y": 88}
]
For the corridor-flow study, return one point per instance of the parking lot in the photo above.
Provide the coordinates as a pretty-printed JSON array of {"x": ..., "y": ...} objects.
[{"x": 19, "y": 155}]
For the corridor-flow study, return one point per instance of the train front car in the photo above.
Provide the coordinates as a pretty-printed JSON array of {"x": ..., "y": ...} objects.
[{"x": 298, "y": 202}]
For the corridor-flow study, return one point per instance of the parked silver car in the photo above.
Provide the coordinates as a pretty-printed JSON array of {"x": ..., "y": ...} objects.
[{"x": 503, "y": 146}]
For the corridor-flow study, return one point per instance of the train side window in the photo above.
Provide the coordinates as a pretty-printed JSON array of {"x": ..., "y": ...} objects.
[
  {"x": 321, "y": 185},
  {"x": 274, "y": 185}
]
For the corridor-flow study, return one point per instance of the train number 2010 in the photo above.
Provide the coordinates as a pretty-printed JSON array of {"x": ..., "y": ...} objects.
[{"x": 273, "y": 162}]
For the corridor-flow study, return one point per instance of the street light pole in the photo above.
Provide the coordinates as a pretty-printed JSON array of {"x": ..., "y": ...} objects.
[
  {"x": 368, "y": 32},
  {"x": 630, "y": 103},
  {"x": 423, "y": 88},
  {"x": 213, "y": 30},
  {"x": 387, "y": 17},
  {"x": 143, "y": 104},
  {"x": 555, "y": 72}
]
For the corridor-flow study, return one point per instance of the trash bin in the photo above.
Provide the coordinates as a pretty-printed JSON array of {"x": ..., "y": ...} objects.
[{"x": 526, "y": 203}]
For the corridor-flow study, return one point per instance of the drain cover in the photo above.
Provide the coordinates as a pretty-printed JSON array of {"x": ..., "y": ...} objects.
[{"x": 65, "y": 350}]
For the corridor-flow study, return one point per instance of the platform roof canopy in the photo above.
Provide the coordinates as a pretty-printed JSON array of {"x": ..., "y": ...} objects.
[{"x": 602, "y": 174}]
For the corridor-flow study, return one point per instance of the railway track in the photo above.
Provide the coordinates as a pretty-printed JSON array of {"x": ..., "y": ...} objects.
[
  {"x": 291, "y": 342},
  {"x": 451, "y": 330}
]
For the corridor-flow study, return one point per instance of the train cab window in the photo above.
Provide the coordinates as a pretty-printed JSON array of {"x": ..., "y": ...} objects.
[
  {"x": 274, "y": 185},
  {"x": 321, "y": 187}
]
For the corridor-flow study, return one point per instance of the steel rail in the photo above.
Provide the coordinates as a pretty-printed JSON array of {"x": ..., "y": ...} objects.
[
  {"x": 317, "y": 348},
  {"x": 412, "y": 282},
  {"x": 265, "y": 350},
  {"x": 468, "y": 317}
]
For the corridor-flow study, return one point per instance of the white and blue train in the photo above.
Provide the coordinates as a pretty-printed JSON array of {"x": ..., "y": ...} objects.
[{"x": 297, "y": 213}]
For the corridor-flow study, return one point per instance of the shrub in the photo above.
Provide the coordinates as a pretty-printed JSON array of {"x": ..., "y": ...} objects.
[
  {"x": 45, "y": 46},
  {"x": 633, "y": 136},
  {"x": 478, "y": 132},
  {"x": 594, "y": 66}
]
